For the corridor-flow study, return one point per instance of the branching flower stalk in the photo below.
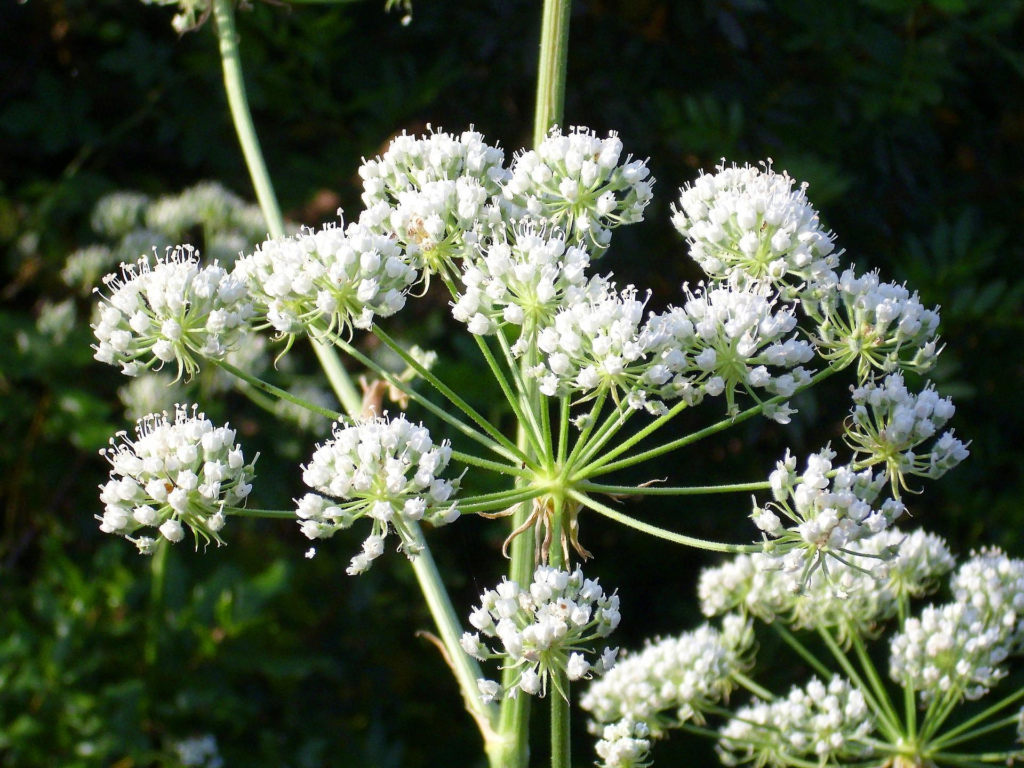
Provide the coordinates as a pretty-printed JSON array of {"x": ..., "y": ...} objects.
[{"x": 592, "y": 373}]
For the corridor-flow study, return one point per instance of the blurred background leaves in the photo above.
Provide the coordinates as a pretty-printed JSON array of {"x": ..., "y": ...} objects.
[{"x": 906, "y": 118}]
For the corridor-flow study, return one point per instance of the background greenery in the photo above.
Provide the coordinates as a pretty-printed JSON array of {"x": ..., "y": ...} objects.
[{"x": 906, "y": 117}]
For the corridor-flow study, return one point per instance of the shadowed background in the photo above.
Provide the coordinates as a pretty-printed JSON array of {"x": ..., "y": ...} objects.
[{"x": 906, "y": 118}]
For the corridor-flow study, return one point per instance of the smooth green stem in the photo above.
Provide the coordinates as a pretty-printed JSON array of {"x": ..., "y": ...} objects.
[
  {"x": 338, "y": 377},
  {"x": 280, "y": 514},
  {"x": 448, "y": 392},
  {"x": 238, "y": 102},
  {"x": 514, "y": 455},
  {"x": 494, "y": 466},
  {"x": 158, "y": 572},
  {"x": 277, "y": 392},
  {"x": 888, "y": 726},
  {"x": 805, "y": 653},
  {"x": 1010, "y": 700},
  {"x": 554, "y": 55},
  {"x": 676, "y": 538},
  {"x": 756, "y": 689},
  {"x": 940, "y": 715},
  {"x": 976, "y": 732},
  {"x": 563, "y": 430},
  {"x": 500, "y": 504},
  {"x": 513, "y": 399},
  {"x": 661, "y": 490},
  {"x": 465, "y": 668},
  {"x": 560, "y": 697},
  {"x": 873, "y": 678},
  {"x": 529, "y": 392},
  {"x": 602, "y": 465},
  {"x": 613, "y": 424},
  {"x": 651, "y": 428},
  {"x": 581, "y": 441}
]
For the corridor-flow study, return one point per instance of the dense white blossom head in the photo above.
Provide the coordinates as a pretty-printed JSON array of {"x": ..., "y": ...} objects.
[
  {"x": 435, "y": 195},
  {"x": 827, "y": 724},
  {"x": 880, "y": 326},
  {"x": 118, "y": 213},
  {"x": 624, "y": 744},
  {"x": 332, "y": 278},
  {"x": 816, "y": 518},
  {"x": 727, "y": 337},
  {"x": 523, "y": 280},
  {"x": 550, "y": 626},
  {"x": 889, "y": 424},
  {"x": 673, "y": 680},
  {"x": 579, "y": 183},
  {"x": 388, "y": 470},
  {"x": 751, "y": 222},
  {"x": 993, "y": 583},
  {"x": 169, "y": 310},
  {"x": 176, "y": 472}
]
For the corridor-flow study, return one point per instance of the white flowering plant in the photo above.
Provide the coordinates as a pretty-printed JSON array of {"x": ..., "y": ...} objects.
[{"x": 592, "y": 373}]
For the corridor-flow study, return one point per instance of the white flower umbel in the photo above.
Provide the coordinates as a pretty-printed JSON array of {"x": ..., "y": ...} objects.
[
  {"x": 332, "y": 278},
  {"x": 596, "y": 345},
  {"x": 577, "y": 182},
  {"x": 850, "y": 599},
  {"x": 952, "y": 651},
  {"x": 888, "y": 424},
  {"x": 880, "y": 326},
  {"x": 118, "y": 213},
  {"x": 624, "y": 745},
  {"x": 993, "y": 584},
  {"x": 388, "y": 470},
  {"x": 828, "y": 724},
  {"x": 435, "y": 195},
  {"x": 727, "y": 337},
  {"x": 169, "y": 310},
  {"x": 674, "y": 680},
  {"x": 175, "y": 472},
  {"x": 522, "y": 281},
  {"x": 828, "y": 511},
  {"x": 547, "y": 628},
  {"x": 751, "y": 222}
]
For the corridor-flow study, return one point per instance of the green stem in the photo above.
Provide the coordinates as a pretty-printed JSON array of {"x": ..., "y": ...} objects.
[
  {"x": 465, "y": 668},
  {"x": 976, "y": 732},
  {"x": 338, "y": 377},
  {"x": 756, "y": 689},
  {"x": 513, "y": 400},
  {"x": 1013, "y": 698},
  {"x": 873, "y": 678},
  {"x": 805, "y": 653},
  {"x": 560, "y": 725},
  {"x": 505, "y": 469},
  {"x": 554, "y": 56},
  {"x": 277, "y": 392},
  {"x": 504, "y": 503},
  {"x": 238, "y": 102},
  {"x": 158, "y": 571},
  {"x": 677, "y": 538},
  {"x": 602, "y": 467},
  {"x": 661, "y": 490},
  {"x": 280, "y": 514}
]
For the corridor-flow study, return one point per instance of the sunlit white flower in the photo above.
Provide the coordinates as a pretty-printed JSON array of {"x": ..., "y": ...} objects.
[
  {"x": 175, "y": 472},
  {"x": 170, "y": 309},
  {"x": 579, "y": 183},
  {"x": 624, "y": 745},
  {"x": 388, "y": 470},
  {"x": 547, "y": 628}
]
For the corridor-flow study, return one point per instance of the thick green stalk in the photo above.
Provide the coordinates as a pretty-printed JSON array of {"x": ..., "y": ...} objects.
[
  {"x": 465, "y": 668},
  {"x": 560, "y": 696},
  {"x": 554, "y": 55},
  {"x": 270, "y": 389},
  {"x": 156, "y": 602}
]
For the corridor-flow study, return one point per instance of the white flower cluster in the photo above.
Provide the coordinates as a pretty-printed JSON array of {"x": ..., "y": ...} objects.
[
  {"x": 576, "y": 182},
  {"x": 848, "y": 599},
  {"x": 880, "y": 325},
  {"x": 522, "y": 281},
  {"x": 334, "y": 277},
  {"x": 117, "y": 213},
  {"x": 169, "y": 311},
  {"x": 673, "y": 680},
  {"x": 829, "y": 510},
  {"x": 624, "y": 745},
  {"x": 956, "y": 650},
  {"x": 435, "y": 195},
  {"x": 888, "y": 423},
  {"x": 750, "y": 222},
  {"x": 726, "y": 337},
  {"x": 386, "y": 469},
  {"x": 596, "y": 344},
  {"x": 545, "y": 628},
  {"x": 176, "y": 472},
  {"x": 829, "y": 724}
]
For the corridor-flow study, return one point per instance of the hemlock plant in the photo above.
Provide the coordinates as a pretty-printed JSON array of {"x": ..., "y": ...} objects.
[{"x": 516, "y": 243}]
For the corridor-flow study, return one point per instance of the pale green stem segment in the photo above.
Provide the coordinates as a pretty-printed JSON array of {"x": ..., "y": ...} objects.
[
  {"x": 554, "y": 55},
  {"x": 661, "y": 490},
  {"x": 661, "y": 533},
  {"x": 977, "y": 732},
  {"x": 466, "y": 669},
  {"x": 156, "y": 601},
  {"x": 874, "y": 678},
  {"x": 279, "y": 514},
  {"x": 560, "y": 696},
  {"x": 947, "y": 737},
  {"x": 277, "y": 392},
  {"x": 602, "y": 466}
]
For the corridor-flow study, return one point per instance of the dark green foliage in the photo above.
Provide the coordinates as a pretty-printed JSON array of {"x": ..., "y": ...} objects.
[{"x": 906, "y": 117}]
